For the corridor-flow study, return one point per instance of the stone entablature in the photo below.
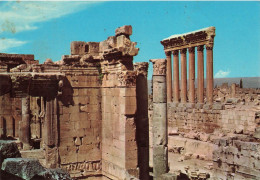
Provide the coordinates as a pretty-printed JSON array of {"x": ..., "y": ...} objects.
[{"x": 190, "y": 39}]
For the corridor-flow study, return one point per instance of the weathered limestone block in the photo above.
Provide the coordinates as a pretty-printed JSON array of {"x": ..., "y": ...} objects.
[
  {"x": 8, "y": 149},
  {"x": 160, "y": 159},
  {"x": 52, "y": 174},
  {"x": 159, "y": 88},
  {"x": 22, "y": 167},
  {"x": 168, "y": 176},
  {"x": 125, "y": 30}
]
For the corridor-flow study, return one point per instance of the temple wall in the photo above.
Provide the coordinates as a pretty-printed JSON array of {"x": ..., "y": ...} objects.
[
  {"x": 80, "y": 122},
  {"x": 119, "y": 146}
]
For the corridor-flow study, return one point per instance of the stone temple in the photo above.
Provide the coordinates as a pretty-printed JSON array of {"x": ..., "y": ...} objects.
[{"x": 89, "y": 115}]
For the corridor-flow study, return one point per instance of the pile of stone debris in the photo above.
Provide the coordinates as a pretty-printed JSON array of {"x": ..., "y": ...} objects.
[{"x": 13, "y": 167}]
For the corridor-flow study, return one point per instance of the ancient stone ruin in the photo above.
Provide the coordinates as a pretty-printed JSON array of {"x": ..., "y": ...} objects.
[{"x": 88, "y": 116}]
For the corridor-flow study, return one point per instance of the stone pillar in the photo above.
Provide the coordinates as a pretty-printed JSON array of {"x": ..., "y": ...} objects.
[
  {"x": 169, "y": 76},
  {"x": 142, "y": 121},
  {"x": 183, "y": 75},
  {"x": 200, "y": 74},
  {"x": 176, "y": 88},
  {"x": 210, "y": 80},
  {"x": 160, "y": 149},
  {"x": 191, "y": 75},
  {"x": 24, "y": 125},
  {"x": 50, "y": 134}
]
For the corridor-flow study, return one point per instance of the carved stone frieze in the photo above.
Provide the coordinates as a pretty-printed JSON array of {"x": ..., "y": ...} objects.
[
  {"x": 127, "y": 78},
  {"x": 91, "y": 166},
  {"x": 159, "y": 66}
]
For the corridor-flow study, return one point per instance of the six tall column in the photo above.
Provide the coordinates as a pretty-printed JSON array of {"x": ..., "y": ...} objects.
[{"x": 200, "y": 75}]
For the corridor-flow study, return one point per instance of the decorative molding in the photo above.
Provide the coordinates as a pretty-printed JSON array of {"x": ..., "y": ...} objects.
[
  {"x": 159, "y": 66},
  {"x": 91, "y": 166},
  {"x": 141, "y": 68},
  {"x": 195, "y": 38},
  {"x": 127, "y": 78}
]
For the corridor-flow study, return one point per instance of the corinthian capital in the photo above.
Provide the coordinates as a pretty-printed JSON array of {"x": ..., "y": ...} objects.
[
  {"x": 175, "y": 52},
  {"x": 191, "y": 49},
  {"x": 200, "y": 48},
  {"x": 184, "y": 51},
  {"x": 159, "y": 66},
  {"x": 168, "y": 53},
  {"x": 209, "y": 46}
]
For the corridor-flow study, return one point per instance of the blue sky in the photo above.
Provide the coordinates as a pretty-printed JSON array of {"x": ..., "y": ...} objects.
[{"x": 46, "y": 29}]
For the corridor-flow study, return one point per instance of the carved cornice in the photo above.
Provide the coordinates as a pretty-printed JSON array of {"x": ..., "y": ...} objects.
[
  {"x": 175, "y": 52},
  {"x": 200, "y": 48},
  {"x": 159, "y": 66},
  {"x": 36, "y": 84},
  {"x": 127, "y": 78},
  {"x": 183, "y": 51},
  {"x": 191, "y": 49},
  {"x": 141, "y": 68},
  {"x": 195, "y": 38}
]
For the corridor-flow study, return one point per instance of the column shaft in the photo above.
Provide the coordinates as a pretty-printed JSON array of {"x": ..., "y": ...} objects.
[
  {"x": 183, "y": 76},
  {"x": 191, "y": 75},
  {"x": 210, "y": 80},
  {"x": 24, "y": 125},
  {"x": 169, "y": 76},
  {"x": 176, "y": 93},
  {"x": 200, "y": 87},
  {"x": 160, "y": 134}
]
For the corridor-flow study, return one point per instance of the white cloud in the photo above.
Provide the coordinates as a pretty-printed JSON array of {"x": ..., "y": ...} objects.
[
  {"x": 222, "y": 74},
  {"x": 6, "y": 44},
  {"x": 24, "y": 16}
]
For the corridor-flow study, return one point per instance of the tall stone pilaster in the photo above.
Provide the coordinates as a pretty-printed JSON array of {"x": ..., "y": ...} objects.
[
  {"x": 176, "y": 93},
  {"x": 24, "y": 125},
  {"x": 169, "y": 76},
  {"x": 160, "y": 149},
  {"x": 191, "y": 75},
  {"x": 142, "y": 121},
  {"x": 200, "y": 76},
  {"x": 210, "y": 80},
  {"x": 183, "y": 75}
]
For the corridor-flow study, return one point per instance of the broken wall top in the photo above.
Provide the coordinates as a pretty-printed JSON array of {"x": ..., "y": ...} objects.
[{"x": 113, "y": 47}]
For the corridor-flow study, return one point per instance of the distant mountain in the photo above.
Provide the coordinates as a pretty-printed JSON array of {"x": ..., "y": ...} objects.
[{"x": 248, "y": 82}]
